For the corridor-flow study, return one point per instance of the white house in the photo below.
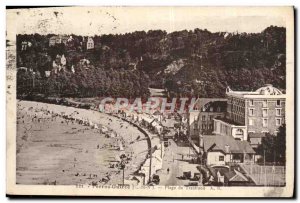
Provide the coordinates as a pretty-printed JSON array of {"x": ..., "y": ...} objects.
[
  {"x": 222, "y": 150},
  {"x": 25, "y": 45},
  {"x": 73, "y": 69},
  {"x": 57, "y": 40},
  {"x": 90, "y": 43},
  {"x": 47, "y": 74},
  {"x": 63, "y": 60}
]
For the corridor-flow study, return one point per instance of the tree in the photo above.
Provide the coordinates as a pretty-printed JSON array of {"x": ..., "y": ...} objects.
[
  {"x": 281, "y": 144},
  {"x": 242, "y": 61},
  {"x": 273, "y": 147}
]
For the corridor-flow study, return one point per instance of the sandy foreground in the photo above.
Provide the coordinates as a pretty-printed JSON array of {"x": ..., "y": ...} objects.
[{"x": 54, "y": 150}]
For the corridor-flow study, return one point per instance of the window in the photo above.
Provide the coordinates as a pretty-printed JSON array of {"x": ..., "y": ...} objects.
[
  {"x": 265, "y": 103},
  {"x": 251, "y": 102},
  {"x": 239, "y": 132},
  {"x": 251, "y": 112},
  {"x": 203, "y": 118},
  {"x": 211, "y": 118},
  {"x": 278, "y": 103},
  {"x": 221, "y": 158},
  {"x": 265, "y": 122},
  {"x": 278, "y": 121},
  {"x": 278, "y": 112},
  {"x": 265, "y": 112},
  {"x": 250, "y": 121},
  {"x": 211, "y": 126}
]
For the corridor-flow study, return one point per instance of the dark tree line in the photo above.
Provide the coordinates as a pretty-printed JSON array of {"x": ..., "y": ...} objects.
[{"x": 89, "y": 82}]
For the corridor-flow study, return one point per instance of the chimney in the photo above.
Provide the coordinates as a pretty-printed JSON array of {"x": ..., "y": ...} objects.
[
  {"x": 201, "y": 144},
  {"x": 227, "y": 148}
]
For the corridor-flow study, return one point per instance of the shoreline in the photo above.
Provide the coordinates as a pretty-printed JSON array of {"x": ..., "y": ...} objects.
[{"x": 93, "y": 117}]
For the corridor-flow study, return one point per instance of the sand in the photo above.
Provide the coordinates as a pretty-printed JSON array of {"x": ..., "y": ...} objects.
[{"x": 54, "y": 150}]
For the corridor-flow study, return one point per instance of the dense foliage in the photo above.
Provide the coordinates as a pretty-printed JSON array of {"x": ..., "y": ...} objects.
[
  {"x": 87, "y": 83},
  {"x": 274, "y": 147},
  {"x": 197, "y": 62}
]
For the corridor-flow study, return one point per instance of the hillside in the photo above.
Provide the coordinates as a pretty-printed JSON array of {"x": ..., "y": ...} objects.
[{"x": 195, "y": 63}]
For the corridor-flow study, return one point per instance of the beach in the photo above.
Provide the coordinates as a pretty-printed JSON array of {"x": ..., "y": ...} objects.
[{"x": 61, "y": 145}]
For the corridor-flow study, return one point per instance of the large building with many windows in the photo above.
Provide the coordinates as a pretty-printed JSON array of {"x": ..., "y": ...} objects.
[
  {"x": 202, "y": 120},
  {"x": 252, "y": 112},
  {"x": 209, "y": 111}
]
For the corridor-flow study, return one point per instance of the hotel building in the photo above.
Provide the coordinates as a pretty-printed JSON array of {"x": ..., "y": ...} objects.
[{"x": 252, "y": 112}]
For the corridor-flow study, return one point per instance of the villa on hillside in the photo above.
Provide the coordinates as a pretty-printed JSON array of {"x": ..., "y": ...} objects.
[
  {"x": 88, "y": 43},
  {"x": 58, "y": 39}
]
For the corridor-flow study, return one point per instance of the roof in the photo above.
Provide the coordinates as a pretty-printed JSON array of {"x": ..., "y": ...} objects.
[
  {"x": 229, "y": 175},
  {"x": 245, "y": 147},
  {"x": 216, "y": 106},
  {"x": 220, "y": 143},
  {"x": 201, "y": 102},
  {"x": 59, "y": 37},
  {"x": 268, "y": 89},
  {"x": 90, "y": 39},
  {"x": 169, "y": 123},
  {"x": 154, "y": 92},
  {"x": 226, "y": 120},
  {"x": 146, "y": 118},
  {"x": 157, "y": 113}
]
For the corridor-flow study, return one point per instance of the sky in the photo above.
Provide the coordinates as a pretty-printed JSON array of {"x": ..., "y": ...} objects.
[{"x": 106, "y": 20}]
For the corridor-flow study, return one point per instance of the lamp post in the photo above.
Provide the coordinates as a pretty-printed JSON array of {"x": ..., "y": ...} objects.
[
  {"x": 201, "y": 145},
  {"x": 123, "y": 169},
  {"x": 150, "y": 164},
  {"x": 265, "y": 167}
]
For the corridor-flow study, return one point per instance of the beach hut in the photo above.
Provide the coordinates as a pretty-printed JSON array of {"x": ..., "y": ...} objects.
[
  {"x": 157, "y": 127},
  {"x": 96, "y": 126},
  {"x": 121, "y": 148},
  {"x": 104, "y": 129},
  {"x": 117, "y": 158}
]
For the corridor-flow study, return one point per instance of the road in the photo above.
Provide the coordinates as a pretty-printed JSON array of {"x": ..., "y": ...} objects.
[{"x": 177, "y": 161}]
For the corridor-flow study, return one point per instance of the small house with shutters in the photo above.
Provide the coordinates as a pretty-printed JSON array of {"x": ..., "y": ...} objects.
[
  {"x": 25, "y": 45},
  {"x": 223, "y": 150},
  {"x": 88, "y": 43},
  {"x": 58, "y": 39}
]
